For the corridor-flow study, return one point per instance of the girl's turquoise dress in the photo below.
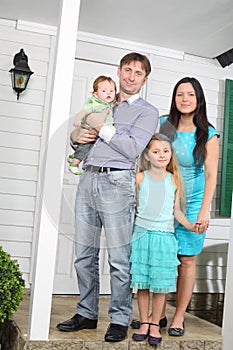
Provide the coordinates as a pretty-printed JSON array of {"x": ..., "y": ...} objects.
[
  {"x": 154, "y": 247},
  {"x": 190, "y": 243}
]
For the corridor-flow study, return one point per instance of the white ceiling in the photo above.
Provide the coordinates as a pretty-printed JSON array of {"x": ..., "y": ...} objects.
[{"x": 201, "y": 27}]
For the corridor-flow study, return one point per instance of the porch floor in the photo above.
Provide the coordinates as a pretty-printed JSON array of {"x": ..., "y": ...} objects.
[{"x": 199, "y": 334}]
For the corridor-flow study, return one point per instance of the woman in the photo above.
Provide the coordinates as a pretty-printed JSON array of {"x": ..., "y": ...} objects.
[{"x": 196, "y": 144}]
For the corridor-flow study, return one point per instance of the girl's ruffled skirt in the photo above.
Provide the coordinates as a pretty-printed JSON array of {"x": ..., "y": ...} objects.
[{"x": 154, "y": 260}]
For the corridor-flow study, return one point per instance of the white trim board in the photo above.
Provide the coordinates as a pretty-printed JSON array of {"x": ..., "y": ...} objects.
[{"x": 103, "y": 40}]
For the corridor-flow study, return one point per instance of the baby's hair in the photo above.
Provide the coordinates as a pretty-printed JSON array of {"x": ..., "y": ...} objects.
[
  {"x": 100, "y": 79},
  {"x": 172, "y": 167}
]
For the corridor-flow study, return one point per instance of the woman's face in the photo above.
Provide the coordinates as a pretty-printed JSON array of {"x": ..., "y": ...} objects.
[{"x": 185, "y": 99}]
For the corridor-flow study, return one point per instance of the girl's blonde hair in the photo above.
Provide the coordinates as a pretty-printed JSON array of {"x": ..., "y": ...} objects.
[{"x": 172, "y": 167}]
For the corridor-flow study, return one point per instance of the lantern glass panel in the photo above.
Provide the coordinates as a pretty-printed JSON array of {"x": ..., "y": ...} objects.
[{"x": 21, "y": 80}]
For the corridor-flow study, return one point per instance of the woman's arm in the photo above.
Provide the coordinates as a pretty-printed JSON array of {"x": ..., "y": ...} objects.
[
  {"x": 211, "y": 169},
  {"x": 179, "y": 215}
]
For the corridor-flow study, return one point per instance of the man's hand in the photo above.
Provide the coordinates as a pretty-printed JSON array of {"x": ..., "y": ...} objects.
[{"x": 83, "y": 135}]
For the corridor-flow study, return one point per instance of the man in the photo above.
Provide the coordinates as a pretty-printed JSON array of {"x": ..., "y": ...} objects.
[{"x": 106, "y": 198}]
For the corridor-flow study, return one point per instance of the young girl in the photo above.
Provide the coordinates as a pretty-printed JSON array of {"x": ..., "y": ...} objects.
[{"x": 154, "y": 246}]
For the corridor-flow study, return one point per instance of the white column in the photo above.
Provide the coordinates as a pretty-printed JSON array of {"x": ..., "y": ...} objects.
[
  {"x": 43, "y": 276},
  {"x": 228, "y": 298}
]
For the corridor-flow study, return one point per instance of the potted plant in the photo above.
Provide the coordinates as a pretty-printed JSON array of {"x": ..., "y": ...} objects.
[{"x": 11, "y": 286}]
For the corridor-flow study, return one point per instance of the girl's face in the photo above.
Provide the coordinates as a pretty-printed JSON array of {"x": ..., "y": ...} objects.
[
  {"x": 106, "y": 91},
  {"x": 159, "y": 154},
  {"x": 185, "y": 99}
]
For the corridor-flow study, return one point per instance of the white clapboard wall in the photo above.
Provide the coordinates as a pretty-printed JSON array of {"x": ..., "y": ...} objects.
[{"x": 21, "y": 125}]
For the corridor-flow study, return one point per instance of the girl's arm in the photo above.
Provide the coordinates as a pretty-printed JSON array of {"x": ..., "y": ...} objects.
[
  {"x": 211, "y": 169},
  {"x": 179, "y": 215},
  {"x": 139, "y": 179}
]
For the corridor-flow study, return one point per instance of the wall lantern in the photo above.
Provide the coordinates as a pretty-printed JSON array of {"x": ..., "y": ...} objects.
[{"x": 21, "y": 73}]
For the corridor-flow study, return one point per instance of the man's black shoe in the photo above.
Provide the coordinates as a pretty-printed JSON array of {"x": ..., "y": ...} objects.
[
  {"x": 116, "y": 332},
  {"x": 76, "y": 323}
]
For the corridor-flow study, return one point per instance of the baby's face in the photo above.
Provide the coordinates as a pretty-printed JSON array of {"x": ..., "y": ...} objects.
[{"x": 106, "y": 91}]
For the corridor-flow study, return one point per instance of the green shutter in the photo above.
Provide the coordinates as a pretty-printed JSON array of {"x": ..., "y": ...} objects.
[{"x": 227, "y": 153}]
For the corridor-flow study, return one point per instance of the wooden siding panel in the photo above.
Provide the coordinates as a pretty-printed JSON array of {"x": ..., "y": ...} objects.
[
  {"x": 19, "y": 156},
  {"x": 161, "y": 102},
  {"x": 29, "y": 96},
  {"x": 185, "y": 67},
  {"x": 17, "y": 37},
  {"x": 211, "y": 90},
  {"x": 20, "y": 110},
  {"x": 16, "y": 233},
  {"x": 95, "y": 53},
  {"x": 171, "y": 77},
  {"x": 17, "y": 249},
  {"x": 17, "y": 171},
  {"x": 21, "y": 141},
  {"x": 20, "y": 126},
  {"x": 18, "y": 187},
  {"x": 24, "y": 265},
  {"x": 17, "y": 202},
  {"x": 161, "y": 88},
  {"x": 33, "y": 52},
  {"x": 17, "y": 218}
]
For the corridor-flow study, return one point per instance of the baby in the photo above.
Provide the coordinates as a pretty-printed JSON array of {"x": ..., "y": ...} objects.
[{"x": 96, "y": 111}]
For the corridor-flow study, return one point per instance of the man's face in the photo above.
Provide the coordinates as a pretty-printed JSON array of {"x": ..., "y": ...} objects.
[{"x": 132, "y": 77}]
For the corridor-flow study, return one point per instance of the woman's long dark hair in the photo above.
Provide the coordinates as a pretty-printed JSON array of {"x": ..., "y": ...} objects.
[{"x": 200, "y": 120}]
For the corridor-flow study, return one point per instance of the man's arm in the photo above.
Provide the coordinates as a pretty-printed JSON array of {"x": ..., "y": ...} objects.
[{"x": 131, "y": 142}]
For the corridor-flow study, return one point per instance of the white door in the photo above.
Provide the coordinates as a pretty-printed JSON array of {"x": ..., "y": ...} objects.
[{"x": 65, "y": 277}]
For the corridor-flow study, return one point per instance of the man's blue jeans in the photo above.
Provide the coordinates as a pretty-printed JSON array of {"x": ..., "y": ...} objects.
[{"x": 105, "y": 200}]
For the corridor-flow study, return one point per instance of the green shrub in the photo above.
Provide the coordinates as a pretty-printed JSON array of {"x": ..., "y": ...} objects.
[{"x": 11, "y": 285}]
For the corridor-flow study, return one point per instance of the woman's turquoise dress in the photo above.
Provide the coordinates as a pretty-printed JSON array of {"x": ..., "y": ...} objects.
[{"x": 190, "y": 243}]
